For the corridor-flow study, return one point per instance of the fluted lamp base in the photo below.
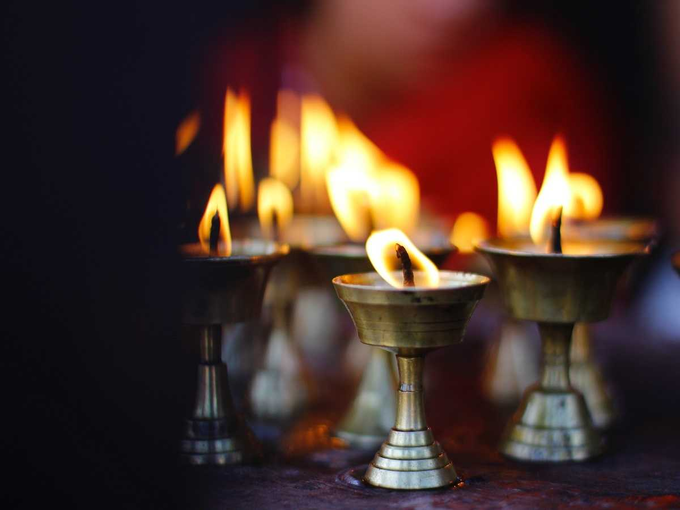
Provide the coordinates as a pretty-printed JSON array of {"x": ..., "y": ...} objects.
[
  {"x": 215, "y": 434},
  {"x": 553, "y": 423},
  {"x": 411, "y": 460}
]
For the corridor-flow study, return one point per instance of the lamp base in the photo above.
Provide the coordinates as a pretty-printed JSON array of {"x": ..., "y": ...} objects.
[
  {"x": 212, "y": 442},
  {"x": 411, "y": 460},
  {"x": 552, "y": 426}
]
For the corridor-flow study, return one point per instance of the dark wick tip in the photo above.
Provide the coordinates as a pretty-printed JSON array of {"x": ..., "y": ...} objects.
[
  {"x": 406, "y": 268},
  {"x": 556, "y": 232},
  {"x": 215, "y": 233}
]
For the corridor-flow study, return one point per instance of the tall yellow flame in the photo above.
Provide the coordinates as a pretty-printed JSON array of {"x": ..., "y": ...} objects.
[
  {"x": 516, "y": 188},
  {"x": 469, "y": 228},
  {"x": 367, "y": 190},
  {"x": 238, "y": 163},
  {"x": 284, "y": 148},
  {"x": 274, "y": 199},
  {"x": 318, "y": 138},
  {"x": 380, "y": 248},
  {"x": 216, "y": 203},
  {"x": 555, "y": 192}
]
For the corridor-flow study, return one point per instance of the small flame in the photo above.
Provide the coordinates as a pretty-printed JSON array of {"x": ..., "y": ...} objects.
[
  {"x": 318, "y": 138},
  {"x": 274, "y": 199},
  {"x": 187, "y": 131},
  {"x": 380, "y": 248},
  {"x": 467, "y": 230},
  {"x": 238, "y": 162},
  {"x": 516, "y": 189},
  {"x": 216, "y": 203},
  {"x": 368, "y": 190},
  {"x": 587, "y": 199},
  {"x": 284, "y": 148},
  {"x": 555, "y": 192}
]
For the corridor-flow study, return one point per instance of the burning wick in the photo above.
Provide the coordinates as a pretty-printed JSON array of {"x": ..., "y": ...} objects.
[
  {"x": 555, "y": 231},
  {"x": 215, "y": 233},
  {"x": 402, "y": 255}
]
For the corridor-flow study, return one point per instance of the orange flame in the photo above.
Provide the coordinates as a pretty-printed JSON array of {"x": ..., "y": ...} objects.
[
  {"x": 238, "y": 163},
  {"x": 516, "y": 188},
  {"x": 216, "y": 204},
  {"x": 284, "y": 148},
  {"x": 187, "y": 131},
  {"x": 555, "y": 192},
  {"x": 587, "y": 199},
  {"x": 467, "y": 230},
  {"x": 380, "y": 248},
  {"x": 273, "y": 199},
  {"x": 318, "y": 138},
  {"x": 367, "y": 190}
]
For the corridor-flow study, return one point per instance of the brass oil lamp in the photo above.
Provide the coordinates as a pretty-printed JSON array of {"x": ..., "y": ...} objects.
[
  {"x": 371, "y": 414},
  {"x": 410, "y": 321},
  {"x": 224, "y": 284},
  {"x": 556, "y": 290}
]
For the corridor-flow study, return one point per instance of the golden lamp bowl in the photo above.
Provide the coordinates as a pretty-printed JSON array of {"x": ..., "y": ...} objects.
[
  {"x": 221, "y": 290},
  {"x": 410, "y": 322},
  {"x": 553, "y": 423},
  {"x": 577, "y": 286},
  {"x": 370, "y": 416}
]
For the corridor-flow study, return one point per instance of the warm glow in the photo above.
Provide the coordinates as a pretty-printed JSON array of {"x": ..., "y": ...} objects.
[
  {"x": 238, "y": 163},
  {"x": 349, "y": 193},
  {"x": 367, "y": 190},
  {"x": 318, "y": 140},
  {"x": 380, "y": 248},
  {"x": 284, "y": 148},
  {"x": 555, "y": 192},
  {"x": 274, "y": 199},
  {"x": 469, "y": 228},
  {"x": 516, "y": 189},
  {"x": 395, "y": 198},
  {"x": 587, "y": 200},
  {"x": 186, "y": 132},
  {"x": 216, "y": 203}
]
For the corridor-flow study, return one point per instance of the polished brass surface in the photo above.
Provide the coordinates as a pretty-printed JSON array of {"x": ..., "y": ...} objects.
[
  {"x": 410, "y": 322},
  {"x": 372, "y": 411},
  {"x": 221, "y": 290},
  {"x": 214, "y": 434},
  {"x": 586, "y": 377},
  {"x": 553, "y": 423}
]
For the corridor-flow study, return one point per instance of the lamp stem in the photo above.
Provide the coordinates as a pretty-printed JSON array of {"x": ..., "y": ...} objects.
[
  {"x": 555, "y": 344},
  {"x": 410, "y": 399},
  {"x": 213, "y": 400}
]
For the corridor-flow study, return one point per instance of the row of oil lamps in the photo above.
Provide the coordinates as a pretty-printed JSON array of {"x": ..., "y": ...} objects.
[{"x": 571, "y": 282}]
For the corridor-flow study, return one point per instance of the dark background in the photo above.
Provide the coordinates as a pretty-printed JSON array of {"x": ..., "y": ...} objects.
[{"x": 92, "y": 204}]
